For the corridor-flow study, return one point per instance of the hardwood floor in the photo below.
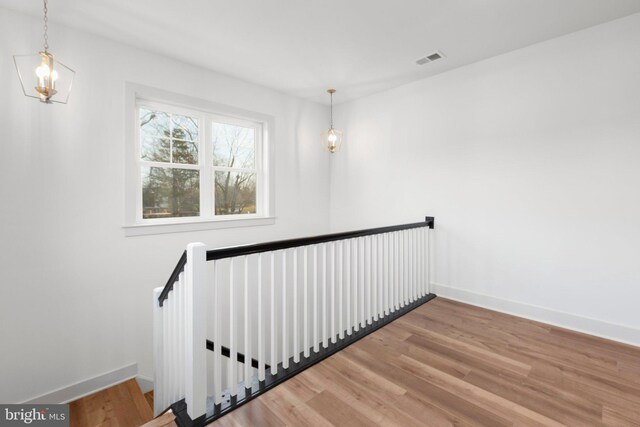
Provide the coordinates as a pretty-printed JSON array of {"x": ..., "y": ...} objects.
[
  {"x": 443, "y": 364},
  {"x": 120, "y": 405},
  {"x": 448, "y": 363}
]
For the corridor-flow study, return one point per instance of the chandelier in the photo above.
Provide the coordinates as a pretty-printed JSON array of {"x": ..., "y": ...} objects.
[
  {"x": 41, "y": 75},
  {"x": 331, "y": 139}
]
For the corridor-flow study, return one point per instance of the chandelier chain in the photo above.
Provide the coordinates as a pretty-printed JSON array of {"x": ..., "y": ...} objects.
[
  {"x": 331, "y": 110},
  {"x": 46, "y": 27}
]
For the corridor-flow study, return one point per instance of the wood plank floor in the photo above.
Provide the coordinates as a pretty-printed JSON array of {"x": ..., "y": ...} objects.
[
  {"x": 120, "y": 405},
  {"x": 448, "y": 363},
  {"x": 443, "y": 364}
]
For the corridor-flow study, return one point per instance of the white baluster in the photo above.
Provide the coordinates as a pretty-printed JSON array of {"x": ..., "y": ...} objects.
[
  {"x": 409, "y": 272},
  {"x": 305, "y": 306},
  {"x": 178, "y": 326},
  {"x": 380, "y": 276},
  {"x": 285, "y": 338},
  {"x": 396, "y": 289},
  {"x": 408, "y": 257},
  {"x": 405, "y": 267},
  {"x": 413, "y": 265},
  {"x": 158, "y": 355},
  {"x": 416, "y": 264},
  {"x": 390, "y": 272},
  {"x": 272, "y": 326},
  {"x": 296, "y": 335},
  {"x": 362, "y": 296},
  {"x": 340, "y": 288},
  {"x": 261, "y": 331},
  {"x": 367, "y": 280},
  {"x": 416, "y": 290},
  {"x": 428, "y": 238},
  {"x": 410, "y": 264},
  {"x": 374, "y": 275},
  {"x": 396, "y": 276},
  {"x": 419, "y": 263},
  {"x": 384, "y": 276},
  {"x": 354, "y": 285},
  {"x": 316, "y": 339},
  {"x": 247, "y": 328},
  {"x": 333, "y": 292},
  {"x": 217, "y": 338},
  {"x": 181, "y": 325},
  {"x": 233, "y": 356},
  {"x": 325, "y": 334},
  {"x": 168, "y": 351},
  {"x": 348, "y": 286},
  {"x": 425, "y": 261},
  {"x": 372, "y": 279}
]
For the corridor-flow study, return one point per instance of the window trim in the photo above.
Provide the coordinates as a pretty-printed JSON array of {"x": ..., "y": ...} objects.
[{"x": 206, "y": 111}]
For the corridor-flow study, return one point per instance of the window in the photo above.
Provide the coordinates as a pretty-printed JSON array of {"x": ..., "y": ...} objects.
[
  {"x": 197, "y": 165},
  {"x": 170, "y": 163},
  {"x": 234, "y": 165}
]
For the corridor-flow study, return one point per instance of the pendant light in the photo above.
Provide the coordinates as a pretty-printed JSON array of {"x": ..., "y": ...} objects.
[
  {"x": 331, "y": 139},
  {"x": 42, "y": 76}
]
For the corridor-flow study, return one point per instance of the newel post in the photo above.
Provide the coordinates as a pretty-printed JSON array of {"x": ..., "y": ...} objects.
[
  {"x": 159, "y": 398},
  {"x": 429, "y": 255},
  {"x": 195, "y": 351}
]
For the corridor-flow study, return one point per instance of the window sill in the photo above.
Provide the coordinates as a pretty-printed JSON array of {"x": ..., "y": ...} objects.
[{"x": 195, "y": 225}]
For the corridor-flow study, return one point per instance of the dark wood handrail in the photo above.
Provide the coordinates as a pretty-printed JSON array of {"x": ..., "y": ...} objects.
[
  {"x": 173, "y": 278},
  {"x": 243, "y": 250}
]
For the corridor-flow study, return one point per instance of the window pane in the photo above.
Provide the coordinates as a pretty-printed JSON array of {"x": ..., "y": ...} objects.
[
  {"x": 166, "y": 137},
  {"x": 154, "y": 123},
  {"x": 155, "y": 149},
  {"x": 170, "y": 193},
  {"x": 185, "y": 152},
  {"x": 233, "y": 146},
  {"x": 235, "y": 193},
  {"x": 185, "y": 128}
]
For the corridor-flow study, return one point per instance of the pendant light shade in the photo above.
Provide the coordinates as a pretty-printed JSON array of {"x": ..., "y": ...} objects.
[
  {"x": 331, "y": 139},
  {"x": 42, "y": 76}
]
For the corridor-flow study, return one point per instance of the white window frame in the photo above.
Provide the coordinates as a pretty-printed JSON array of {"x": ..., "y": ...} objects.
[{"x": 207, "y": 113}]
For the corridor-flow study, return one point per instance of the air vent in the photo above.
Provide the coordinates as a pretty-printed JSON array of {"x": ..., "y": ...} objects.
[{"x": 430, "y": 58}]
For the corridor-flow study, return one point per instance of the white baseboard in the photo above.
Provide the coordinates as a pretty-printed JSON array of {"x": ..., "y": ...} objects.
[
  {"x": 86, "y": 387},
  {"x": 145, "y": 383},
  {"x": 612, "y": 331}
]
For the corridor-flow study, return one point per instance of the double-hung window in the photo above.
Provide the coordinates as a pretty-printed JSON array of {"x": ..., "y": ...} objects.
[
  {"x": 196, "y": 166},
  {"x": 236, "y": 166},
  {"x": 170, "y": 162}
]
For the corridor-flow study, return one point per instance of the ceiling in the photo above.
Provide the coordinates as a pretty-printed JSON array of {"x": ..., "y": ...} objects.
[{"x": 303, "y": 47}]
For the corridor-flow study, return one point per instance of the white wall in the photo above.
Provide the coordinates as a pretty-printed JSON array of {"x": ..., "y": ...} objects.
[
  {"x": 75, "y": 296},
  {"x": 530, "y": 163}
]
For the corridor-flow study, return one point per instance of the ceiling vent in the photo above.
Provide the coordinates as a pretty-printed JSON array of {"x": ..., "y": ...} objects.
[{"x": 430, "y": 58}]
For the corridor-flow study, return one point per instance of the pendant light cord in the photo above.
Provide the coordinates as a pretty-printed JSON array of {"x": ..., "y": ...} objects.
[
  {"x": 331, "y": 110},
  {"x": 46, "y": 27}
]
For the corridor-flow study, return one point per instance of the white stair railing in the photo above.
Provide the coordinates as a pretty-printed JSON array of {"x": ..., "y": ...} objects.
[
  {"x": 278, "y": 307},
  {"x": 180, "y": 337}
]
